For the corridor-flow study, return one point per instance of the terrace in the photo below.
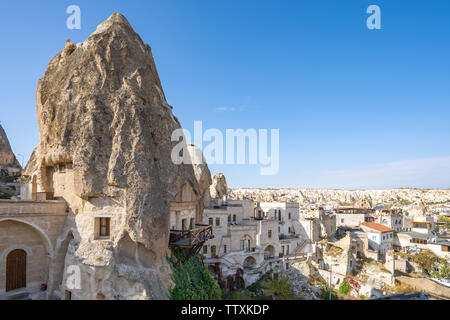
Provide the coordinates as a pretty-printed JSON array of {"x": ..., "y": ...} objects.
[{"x": 192, "y": 237}]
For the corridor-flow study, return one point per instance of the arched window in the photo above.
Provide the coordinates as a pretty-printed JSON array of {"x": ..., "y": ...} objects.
[{"x": 246, "y": 243}]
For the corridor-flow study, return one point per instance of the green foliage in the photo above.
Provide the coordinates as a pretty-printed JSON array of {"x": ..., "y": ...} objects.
[
  {"x": 280, "y": 288},
  {"x": 4, "y": 195},
  {"x": 324, "y": 293},
  {"x": 265, "y": 288},
  {"x": 444, "y": 219},
  {"x": 362, "y": 297},
  {"x": 240, "y": 295},
  {"x": 444, "y": 271},
  {"x": 8, "y": 179},
  {"x": 345, "y": 287},
  {"x": 192, "y": 280},
  {"x": 427, "y": 260}
]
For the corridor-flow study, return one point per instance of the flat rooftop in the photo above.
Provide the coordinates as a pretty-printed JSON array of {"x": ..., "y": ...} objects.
[{"x": 427, "y": 237}]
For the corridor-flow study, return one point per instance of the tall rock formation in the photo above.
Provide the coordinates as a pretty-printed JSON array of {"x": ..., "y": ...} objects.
[
  {"x": 8, "y": 162},
  {"x": 102, "y": 113},
  {"x": 219, "y": 187},
  {"x": 202, "y": 173}
]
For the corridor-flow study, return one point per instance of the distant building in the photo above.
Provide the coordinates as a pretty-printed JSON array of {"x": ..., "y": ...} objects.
[
  {"x": 391, "y": 219},
  {"x": 353, "y": 217},
  {"x": 415, "y": 242},
  {"x": 424, "y": 225},
  {"x": 380, "y": 237}
]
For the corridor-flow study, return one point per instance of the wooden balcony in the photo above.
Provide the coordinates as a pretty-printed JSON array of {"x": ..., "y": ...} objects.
[{"x": 192, "y": 237}]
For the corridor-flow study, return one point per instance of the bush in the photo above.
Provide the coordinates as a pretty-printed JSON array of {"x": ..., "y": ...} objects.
[
  {"x": 427, "y": 260},
  {"x": 4, "y": 195},
  {"x": 192, "y": 280},
  {"x": 255, "y": 291},
  {"x": 362, "y": 297},
  {"x": 239, "y": 295},
  {"x": 345, "y": 287},
  {"x": 324, "y": 293},
  {"x": 444, "y": 271},
  {"x": 280, "y": 288}
]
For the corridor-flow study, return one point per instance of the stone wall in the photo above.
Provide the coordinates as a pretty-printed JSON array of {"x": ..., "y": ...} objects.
[{"x": 35, "y": 227}]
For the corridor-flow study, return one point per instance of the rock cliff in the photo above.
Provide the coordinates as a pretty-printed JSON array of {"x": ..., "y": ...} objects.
[
  {"x": 102, "y": 112},
  {"x": 219, "y": 187},
  {"x": 8, "y": 162},
  {"x": 202, "y": 173}
]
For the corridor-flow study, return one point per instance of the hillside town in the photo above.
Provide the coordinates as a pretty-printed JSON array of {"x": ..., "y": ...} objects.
[
  {"x": 101, "y": 198},
  {"x": 369, "y": 248}
]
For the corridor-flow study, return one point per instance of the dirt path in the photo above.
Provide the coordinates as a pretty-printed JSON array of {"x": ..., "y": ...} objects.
[{"x": 425, "y": 285}]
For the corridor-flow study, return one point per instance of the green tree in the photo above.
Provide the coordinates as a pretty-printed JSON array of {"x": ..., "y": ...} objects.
[
  {"x": 427, "y": 260},
  {"x": 192, "y": 280}
]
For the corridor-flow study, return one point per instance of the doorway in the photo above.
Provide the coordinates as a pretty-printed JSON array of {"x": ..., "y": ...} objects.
[{"x": 16, "y": 270}]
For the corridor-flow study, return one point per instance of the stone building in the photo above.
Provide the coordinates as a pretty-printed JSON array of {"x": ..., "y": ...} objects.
[
  {"x": 391, "y": 219},
  {"x": 380, "y": 237},
  {"x": 248, "y": 241},
  {"x": 353, "y": 217},
  {"x": 31, "y": 251}
]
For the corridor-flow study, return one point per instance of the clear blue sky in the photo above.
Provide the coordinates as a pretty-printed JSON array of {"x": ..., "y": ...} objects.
[{"x": 355, "y": 107}]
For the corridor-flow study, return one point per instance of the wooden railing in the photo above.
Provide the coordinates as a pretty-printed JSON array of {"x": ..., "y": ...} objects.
[{"x": 194, "y": 236}]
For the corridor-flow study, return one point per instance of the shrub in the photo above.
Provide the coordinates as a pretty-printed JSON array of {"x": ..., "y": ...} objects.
[
  {"x": 345, "y": 287},
  {"x": 4, "y": 195},
  {"x": 324, "y": 293},
  {"x": 427, "y": 260},
  {"x": 280, "y": 288},
  {"x": 192, "y": 280}
]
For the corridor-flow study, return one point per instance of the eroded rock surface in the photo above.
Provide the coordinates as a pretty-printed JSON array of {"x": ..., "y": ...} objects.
[
  {"x": 8, "y": 162},
  {"x": 219, "y": 187},
  {"x": 102, "y": 113},
  {"x": 202, "y": 173}
]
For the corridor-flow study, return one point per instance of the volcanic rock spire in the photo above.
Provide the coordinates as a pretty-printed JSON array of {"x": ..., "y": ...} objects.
[
  {"x": 101, "y": 108},
  {"x": 8, "y": 162}
]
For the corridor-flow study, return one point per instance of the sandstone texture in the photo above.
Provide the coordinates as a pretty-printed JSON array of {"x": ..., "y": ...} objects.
[
  {"x": 102, "y": 113},
  {"x": 8, "y": 162},
  {"x": 9, "y": 167},
  {"x": 202, "y": 173},
  {"x": 218, "y": 188}
]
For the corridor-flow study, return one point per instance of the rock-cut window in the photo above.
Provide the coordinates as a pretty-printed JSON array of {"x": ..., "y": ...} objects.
[{"x": 103, "y": 227}]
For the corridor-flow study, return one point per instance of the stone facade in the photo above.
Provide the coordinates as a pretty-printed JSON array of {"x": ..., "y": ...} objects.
[
  {"x": 34, "y": 227},
  {"x": 248, "y": 241}
]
